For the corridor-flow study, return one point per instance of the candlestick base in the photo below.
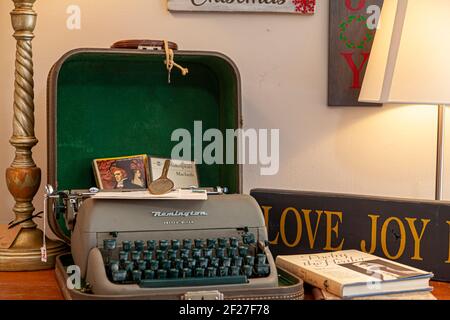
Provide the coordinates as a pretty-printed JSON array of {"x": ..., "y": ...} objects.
[{"x": 25, "y": 252}]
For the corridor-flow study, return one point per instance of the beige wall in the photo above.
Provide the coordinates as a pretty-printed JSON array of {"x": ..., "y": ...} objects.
[{"x": 283, "y": 62}]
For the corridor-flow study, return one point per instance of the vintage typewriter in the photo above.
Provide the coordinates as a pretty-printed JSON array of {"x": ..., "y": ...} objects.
[{"x": 140, "y": 247}]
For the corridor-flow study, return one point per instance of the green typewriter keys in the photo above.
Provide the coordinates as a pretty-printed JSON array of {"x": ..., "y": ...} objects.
[
  {"x": 135, "y": 255},
  {"x": 114, "y": 266},
  {"x": 128, "y": 266},
  {"x": 136, "y": 275},
  {"x": 126, "y": 245},
  {"x": 202, "y": 262},
  {"x": 171, "y": 254},
  {"x": 243, "y": 251},
  {"x": 191, "y": 263},
  {"x": 147, "y": 255},
  {"x": 199, "y": 272},
  {"x": 232, "y": 251},
  {"x": 109, "y": 244},
  {"x": 226, "y": 262},
  {"x": 234, "y": 270},
  {"x": 175, "y": 244},
  {"x": 190, "y": 282},
  {"x": 237, "y": 261},
  {"x": 211, "y": 243},
  {"x": 186, "y": 273},
  {"x": 223, "y": 242},
  {"x": 173, "y": 273},
  {"x": 211, "y": 272},
  {"x": 262, "y": 269},
  {"x": 151, "y": 245},
  {"x": 220, "y": 252},
  {"x": 250, "y": 260},
  {"x": 223, "y": 271},
  {"x": 184, "y": 253},
  {"x": 164, "y": 264},
  {"x": 198, "y": 243},
  {"x": 260, "y": 258},
  {"x": 162, "y": 274},
  {"x": 149, "y": 274},
  {"x": 214, "y": 262},
  {"x": 248, "y": 238},
  {"x": 178, "y": 263},
  {"x": 248, "y": 270},
  {"x": 163, "y": 245},
  {"x": 160, "y": 254},
  {"x": 234, "y": 242},
  {"x": 207, "y": 253},
  {"x": 196, "y": 253},
  {"x": 187, "y": 243},
  {"x": 154, "y": 265},
  {"x": 142, "y": 265},
  {"x": 139, "y": 245},
  {"x": 123, "y": 255},
  {"x": 119, "y": 276}
]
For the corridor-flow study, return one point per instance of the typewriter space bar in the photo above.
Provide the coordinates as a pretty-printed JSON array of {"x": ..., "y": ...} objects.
[{"x": 191, "y": 282}]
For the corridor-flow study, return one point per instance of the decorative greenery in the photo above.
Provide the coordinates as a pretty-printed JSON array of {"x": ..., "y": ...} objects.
[{"x": 368, "y": 37}]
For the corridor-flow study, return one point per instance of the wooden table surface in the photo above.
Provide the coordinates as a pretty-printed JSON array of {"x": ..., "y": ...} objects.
[{"x": 42, "y": 285}]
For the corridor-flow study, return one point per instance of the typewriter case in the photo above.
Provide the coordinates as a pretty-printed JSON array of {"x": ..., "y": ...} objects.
[{"x": 118, "y": 102}]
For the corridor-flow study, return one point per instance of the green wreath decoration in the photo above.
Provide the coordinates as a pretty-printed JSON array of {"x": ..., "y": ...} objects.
[{"x": 368, "y": 37}]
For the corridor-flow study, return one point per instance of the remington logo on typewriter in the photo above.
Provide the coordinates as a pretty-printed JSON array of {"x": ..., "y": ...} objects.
[{"x": 179, "y": 213}]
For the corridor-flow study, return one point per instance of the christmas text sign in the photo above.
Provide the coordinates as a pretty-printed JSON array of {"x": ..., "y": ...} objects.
[
  {"x": 353, "y": 25},
  {"x": 282, "y": 6}
]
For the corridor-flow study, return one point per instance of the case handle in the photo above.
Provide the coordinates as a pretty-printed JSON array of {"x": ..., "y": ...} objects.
[{"x": 147, "y": 44}]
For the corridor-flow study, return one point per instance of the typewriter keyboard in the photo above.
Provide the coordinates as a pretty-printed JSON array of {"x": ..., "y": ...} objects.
[{"x": 186, "y": 262}]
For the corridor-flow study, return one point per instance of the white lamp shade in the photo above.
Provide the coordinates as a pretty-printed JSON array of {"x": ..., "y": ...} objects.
[{"x": 410, "y": 58}]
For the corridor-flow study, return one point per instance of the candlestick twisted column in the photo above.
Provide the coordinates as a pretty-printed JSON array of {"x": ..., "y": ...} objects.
[{"x": 24, "y": 177}]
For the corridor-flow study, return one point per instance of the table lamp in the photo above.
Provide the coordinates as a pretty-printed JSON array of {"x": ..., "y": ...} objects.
[
  {"x": 409, "y": 62},
  {"x": 24, "y": 177}
]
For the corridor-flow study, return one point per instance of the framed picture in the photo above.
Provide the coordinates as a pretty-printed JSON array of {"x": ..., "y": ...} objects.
[
  {"x": 182, "y": 173},
  {"x": 129, "y": 172}
]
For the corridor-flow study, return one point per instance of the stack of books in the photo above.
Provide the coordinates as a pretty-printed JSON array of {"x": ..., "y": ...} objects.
[{"x": 353, "y": 274}]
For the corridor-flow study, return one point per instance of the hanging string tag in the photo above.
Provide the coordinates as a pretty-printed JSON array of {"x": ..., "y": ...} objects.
[
  {"x": 44, "y": 244},
  {"x": 170, "y": 63}
]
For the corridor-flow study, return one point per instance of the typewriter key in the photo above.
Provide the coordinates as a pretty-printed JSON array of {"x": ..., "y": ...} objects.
[
  {"x": 262, "y": 269},
  {"x": 187, "y": 243},
  {"x": 160, "y": 254},
  {"x": 234, "y": 242},
  {"x": 211, "y": 272},
  {"x": 199, "y": 272},
  {"x": 248, "y": 270},
  {"x": 163, "y": 245},
  {"x": 223, "y": 242},
  {"x": 128, "y": 266},
  {"x": 220, "y": 252},
  {"x": 173, "y": 273},
  {"x": 142, "y": 265},
  {"x": 186, "y": 273},
  {"x": 123, "y": 255},
  {"x": 177, "y": 263},
  {"x": 214, "y": 262},
  {"x": 198, "y": 243},
  {"x": 109, "y": 244},
  {"x": 260, "y": 258},
  {"x": 196, "y": 253},
  {"x": 151, "y": 245},
  {"x": 207, "y": 253},
  {"x": 126, "y": 245},
  {"x": 175, "y": 244},
  {"x": 191, "y": 263},
  {"x": 184, "y": 253},
  {"x": 137, "y": 275},
  {"x": 234, "y": 270},
  {"x": 237, "y": 261},
  {"x": 135, "y": 255},
  {"x": 119, "y": 276},
  {"x": 250, "y": 260},
  {"x": 164, "y": 264},
  {"x": 171, "y": 254},
  {"x": 248, "y": 238},
  {"x": 243, "y": 251},
  {"x": 232, "y": 251},
  {"x": 211, "y": 243},
  {"x": 114, "y": 266},
  {"x": 154, "y": 264},
  {"x": 163, "y": 184},
  {"x": 223, "y": 271},
  {"x": 139, "y": 245},
  {"x": 226, "y": 262},
  {"x": 147, "y": 255},
  {"x": 162, "y": 274},
  {"x": 202, "y": 262},
  {"x": 149, "y": 274}
]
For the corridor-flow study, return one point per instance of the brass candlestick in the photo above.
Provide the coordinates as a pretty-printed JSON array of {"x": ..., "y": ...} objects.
[{"x": 24, "y": 177}]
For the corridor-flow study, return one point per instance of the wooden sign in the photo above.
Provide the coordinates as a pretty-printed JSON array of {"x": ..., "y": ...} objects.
[
  {"x": 352, "y": 31},
  {"x": 412, "y": 232},
  {"x": 280, "y": 6}
]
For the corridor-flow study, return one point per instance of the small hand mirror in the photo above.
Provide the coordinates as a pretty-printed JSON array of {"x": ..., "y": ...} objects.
[{"x": 162, "y": 185}]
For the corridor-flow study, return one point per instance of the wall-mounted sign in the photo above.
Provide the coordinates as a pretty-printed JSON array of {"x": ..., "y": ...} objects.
[
  {"x": 281, "y": 6},
  {"x": 352, "y": 31}
]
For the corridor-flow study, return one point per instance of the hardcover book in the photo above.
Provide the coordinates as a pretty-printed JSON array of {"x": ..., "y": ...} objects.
[{"x": 353, "y": 273}]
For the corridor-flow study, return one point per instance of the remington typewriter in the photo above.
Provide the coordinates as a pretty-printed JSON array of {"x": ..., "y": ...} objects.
[{"x": 137, "y": 247}]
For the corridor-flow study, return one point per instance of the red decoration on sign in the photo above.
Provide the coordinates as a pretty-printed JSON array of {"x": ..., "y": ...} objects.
[
  {"x": 356, "y": 70},
  {"x": 361, "y": 5},
  {"x": 305, "y": 6}
]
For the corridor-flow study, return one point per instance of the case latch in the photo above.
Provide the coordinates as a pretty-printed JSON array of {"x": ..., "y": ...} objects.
[{"x": 203, "y": 295}]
